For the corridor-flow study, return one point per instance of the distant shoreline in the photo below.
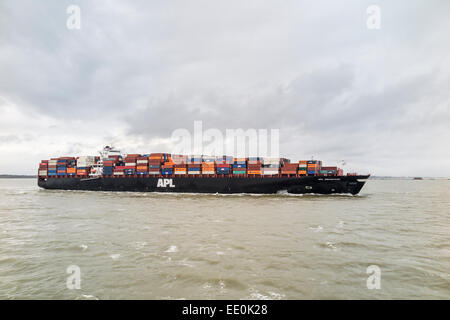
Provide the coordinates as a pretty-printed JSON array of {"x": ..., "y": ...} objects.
[{"x": 17, "y": 176}]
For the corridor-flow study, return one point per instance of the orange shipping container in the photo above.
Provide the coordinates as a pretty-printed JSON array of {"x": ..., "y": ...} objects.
[
  {"x": 254, "y": 171},
  {"x": 71, "y": 170},
  {"x": 142, "y": 167}
]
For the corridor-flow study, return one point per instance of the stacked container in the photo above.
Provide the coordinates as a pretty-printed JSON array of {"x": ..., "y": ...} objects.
[
  {"x": 289, "y": 168},
  {"x": 303, "y": 167},
  {"x": 194, "y": 168},
  {"x": 154, "y": 163},
  {"x": 52, "y": 166},
  {"x": 329, "y": 171},
  {"x": 254, "y": 165},
  {"x": 195, "y": 159},
  {"x": 208, "y": 165},
  {"x": 130, "y": 164},
  {"x": 61, "y": 166},
  {"x": 142, "y": 165},
  {"x": 270, "y": 166},
  {"x": 84, "y": 163},
  {"x": 167, "y": 169},
  {"x": 239, "y": 166},
  {"x": 119, "y": 170},
  {"x": 180, "y": 168},
  {"x": 43, "y": 168},
  {"x": 224, "y": 160},
  {"x": 83, "y": 171},
  {"x": 108, "y": 166},
  {"x": 223, "y": 168},
  {"x": 313, "y": 167},
  {"x": 183, "y": 165},
  {"x": 179, "y": 159},
  {"x": 71, "y": 169},
  {"x": 208, "y": 159}
]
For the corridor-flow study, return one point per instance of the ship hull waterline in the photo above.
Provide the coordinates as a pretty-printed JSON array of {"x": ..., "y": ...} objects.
[{"x": 226, "y": 184}]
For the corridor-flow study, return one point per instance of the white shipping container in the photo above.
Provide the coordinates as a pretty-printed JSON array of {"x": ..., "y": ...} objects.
[
  {"x": 152, "y": 172},
  {"x": 42, "y": 172},
  {"x": 264, "y": 171},
  {"x": 118, "y": 173},
  {"x": 142, "y": 161},
  {"x": 87, "y": 158},
  {"x": 194, "y": 172},
  {"x": 208, "y": 172},
  {"x": 82, "y": 165},
  {"x": 130, "y": 164}
]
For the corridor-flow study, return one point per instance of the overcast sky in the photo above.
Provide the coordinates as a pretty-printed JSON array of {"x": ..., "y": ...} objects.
[{"x": 136, "y": 71}]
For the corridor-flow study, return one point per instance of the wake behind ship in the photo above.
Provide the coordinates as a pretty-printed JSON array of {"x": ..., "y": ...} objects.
[{"x": 161, "y": 172}]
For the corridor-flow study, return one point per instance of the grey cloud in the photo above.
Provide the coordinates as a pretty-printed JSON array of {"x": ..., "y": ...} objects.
[{"x": 335, "y": 88}]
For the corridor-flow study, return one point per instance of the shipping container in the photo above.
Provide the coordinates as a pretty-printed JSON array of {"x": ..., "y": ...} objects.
[{"x": 167, "y": 171}]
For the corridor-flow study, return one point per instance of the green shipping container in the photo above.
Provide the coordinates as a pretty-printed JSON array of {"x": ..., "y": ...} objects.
[{"x": 239, "y": 172}]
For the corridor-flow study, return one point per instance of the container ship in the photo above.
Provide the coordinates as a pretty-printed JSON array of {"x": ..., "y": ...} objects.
[{"x": 162, "y": 172}]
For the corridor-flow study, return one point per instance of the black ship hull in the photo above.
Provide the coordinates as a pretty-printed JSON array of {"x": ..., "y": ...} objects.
[{"x": 213, "y": 184}]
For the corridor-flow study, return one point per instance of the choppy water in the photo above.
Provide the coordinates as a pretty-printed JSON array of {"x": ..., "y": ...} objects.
[{"x": 175, "y": 246}]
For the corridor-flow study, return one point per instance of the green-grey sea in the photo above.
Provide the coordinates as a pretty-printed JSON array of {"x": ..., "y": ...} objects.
[{"x": 190, "y": 246}]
